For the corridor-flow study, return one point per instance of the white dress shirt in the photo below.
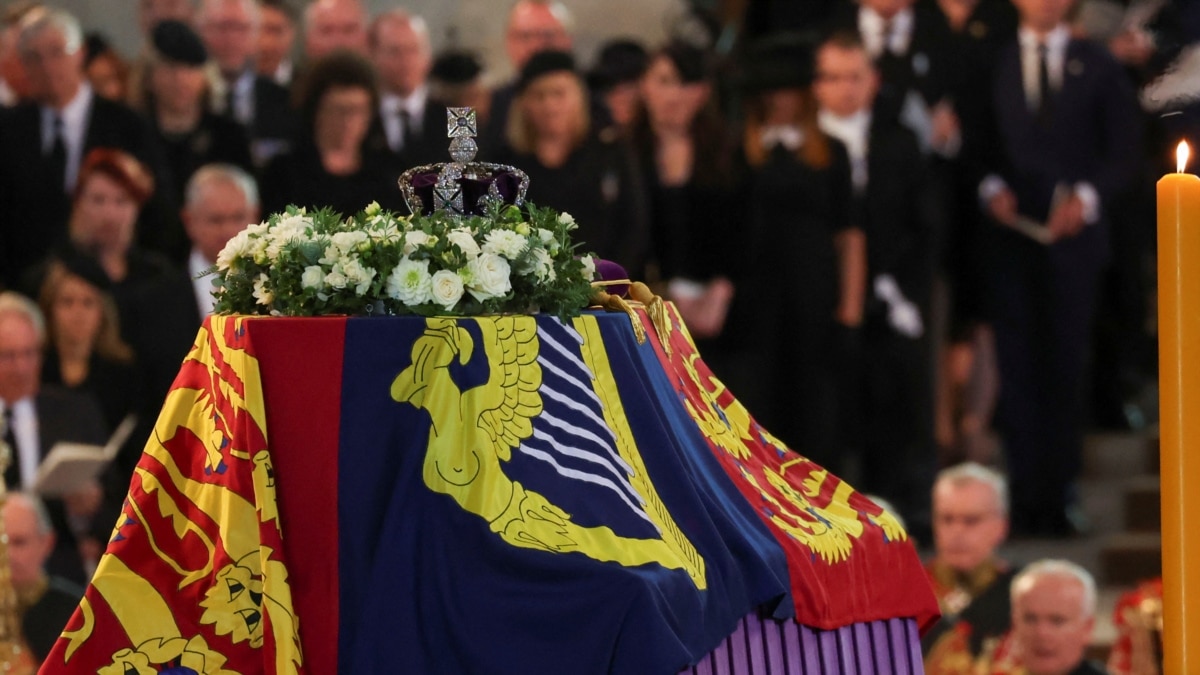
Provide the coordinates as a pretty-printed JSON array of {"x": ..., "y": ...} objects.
[
  {"x": 25, "y": 433},
  {"x": 75, "y": 116},
  {"x": 1056, "y": 54},
  {"x": 872, "y": 27},
  {"x": 202, "y": 286},
  {"x": 854, "y": 132},
  {"x": 390, "y": 106}
]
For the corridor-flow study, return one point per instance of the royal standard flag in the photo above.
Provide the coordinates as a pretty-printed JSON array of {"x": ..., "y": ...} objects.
[{"x": 507, "y": 494}]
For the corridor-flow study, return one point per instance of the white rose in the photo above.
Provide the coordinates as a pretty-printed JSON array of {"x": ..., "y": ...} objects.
[
  {"x": 490, "y": 277},
  {"x": 373, "y": 209},
  {"x": 416, "y": 239},
  {"x": 313, "y": 277},
  {"x": 589, "y": 268},
  {"x": 567, "y": 219},
  {"x": 336, "y": 278},
  {"x": 463, "y": 239},
  {"x": 505, "y": 243},
  {"x": 447, "y": 288},
  {"x": 410, "y": 282},
  {"x": 358, "y": 275},
  {"x": 348, "y": 241},
  {"x": 548, "y": 240},
  {"x": 543, "y": 265},
  {"x": 292, "y": 225},
  {"x": 522, "y": 228},
  {"x": 234, "y": 248},
  {"x": 262, "y": 294}
]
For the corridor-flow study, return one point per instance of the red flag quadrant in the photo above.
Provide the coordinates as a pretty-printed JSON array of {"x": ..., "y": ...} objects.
[
  {"x": 193, "y": 578},
  {"x": 850, "y": 561}
]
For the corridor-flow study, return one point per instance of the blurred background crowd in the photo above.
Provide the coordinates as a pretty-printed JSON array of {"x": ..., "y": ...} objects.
[{"x": 906, "y": 233}]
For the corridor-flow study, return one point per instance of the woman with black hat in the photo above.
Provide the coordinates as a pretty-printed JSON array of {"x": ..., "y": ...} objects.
[
  {"x": 800, "y": 301},
  {"x": 593, "y": 176},
  {"x": 176, "y": 89}
]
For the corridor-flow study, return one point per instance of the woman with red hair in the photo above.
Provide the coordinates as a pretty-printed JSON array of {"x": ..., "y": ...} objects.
[{"x": 109, "y": 195}]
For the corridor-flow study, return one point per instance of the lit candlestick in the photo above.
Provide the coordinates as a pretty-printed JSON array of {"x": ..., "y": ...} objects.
[{"x": 1179, "y": 386}]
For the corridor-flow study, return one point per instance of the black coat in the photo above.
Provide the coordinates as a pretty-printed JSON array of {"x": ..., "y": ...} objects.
[
  {"x": 600, "y": 185},
  {"x": 33, "y": 209}
]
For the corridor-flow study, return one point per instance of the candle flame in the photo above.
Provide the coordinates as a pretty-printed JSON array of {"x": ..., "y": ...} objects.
[{"x": 1181, "y": 156}]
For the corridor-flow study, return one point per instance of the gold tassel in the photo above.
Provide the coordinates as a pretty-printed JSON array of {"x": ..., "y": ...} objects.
[
  {"x": 657, "y": 309},
  {"x": 614, "y": 303}
]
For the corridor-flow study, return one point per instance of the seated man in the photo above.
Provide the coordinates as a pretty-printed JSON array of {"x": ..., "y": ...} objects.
[
  {"x": 45, "y": 603},
  {"x": 35, "y": 418},
  {"x": 1053, "y": 613},
  {"x": 970, "y": 520}
]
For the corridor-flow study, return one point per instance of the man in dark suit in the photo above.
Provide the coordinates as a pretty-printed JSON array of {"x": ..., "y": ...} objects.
[
  {"x": 410, "y": 124},
  {"x": 897, "y": 205},
  {"x": 229, "y": 29},
  {"x": 1067, "y": 139},
  {"x": 220, "y": 200},
  {"x": 35, "y": 419},
  {"x": 45, "y": 140}
]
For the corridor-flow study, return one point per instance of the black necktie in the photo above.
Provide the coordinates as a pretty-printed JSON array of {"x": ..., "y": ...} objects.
[
  {"x": 1045, "y": 94},
  {"x": 12, "y": 475},
  {"x": 406, "y": 131},
  {"x": 56, "y": 161}
]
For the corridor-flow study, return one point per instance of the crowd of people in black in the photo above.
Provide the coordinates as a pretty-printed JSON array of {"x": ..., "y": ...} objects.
[{"x": 881, "y": 219}]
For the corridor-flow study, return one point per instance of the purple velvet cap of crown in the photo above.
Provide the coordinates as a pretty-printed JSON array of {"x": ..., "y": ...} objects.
[
  {"x": 607, "y": 270},
  {"x": 507, "y": 183}
]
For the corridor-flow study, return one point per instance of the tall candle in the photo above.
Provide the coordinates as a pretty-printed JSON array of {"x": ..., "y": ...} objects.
[{"x": 1179, "y": 400}]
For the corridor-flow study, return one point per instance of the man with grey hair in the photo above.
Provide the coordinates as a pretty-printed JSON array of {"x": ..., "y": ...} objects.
[
  {"x": 229, "y": 29},
  {"x": 334, "y": 24},
  {"x": 412, "y": 125},
  {"x": 35, "y": 418},
  {"x": 1053, "y": 613},
  {"x": 970, "y": 521},
  {"x": 47, "y": 601},
  {"x": 220, "y": 201},
  {"x": 45, "y": 140}
]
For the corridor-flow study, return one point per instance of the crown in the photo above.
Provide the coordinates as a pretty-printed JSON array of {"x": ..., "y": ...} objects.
[{"x": 462, "y": 186}]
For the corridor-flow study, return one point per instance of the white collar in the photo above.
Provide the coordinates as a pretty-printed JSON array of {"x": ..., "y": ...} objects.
[
  {"x": 871, "y": 26},
  {"x": 413, "y": 104},
  {"x": 73, "y": 114},
  {"x": 853, "y": 126},
  {"x": 789, "y": 136},
  {"x": 1055, "y": 41}
]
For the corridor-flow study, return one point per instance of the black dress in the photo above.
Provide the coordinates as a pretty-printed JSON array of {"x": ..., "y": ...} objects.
[
  {"x": 114, "y": 385},
  {"x": 783, "y": 314},
  {"x": 600, "y": 186},
  {"x": 299, "y": 178}
]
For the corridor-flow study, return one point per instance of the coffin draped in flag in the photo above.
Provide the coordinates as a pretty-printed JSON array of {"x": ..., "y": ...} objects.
[{"x": 496, "y": 494}]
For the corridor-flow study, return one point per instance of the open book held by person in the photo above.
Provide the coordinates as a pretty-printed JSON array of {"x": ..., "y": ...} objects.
[{"x": 69, "y": 466}]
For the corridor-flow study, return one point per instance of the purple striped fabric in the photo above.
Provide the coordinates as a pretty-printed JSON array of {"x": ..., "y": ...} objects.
[{"x": 761, "y": 646}]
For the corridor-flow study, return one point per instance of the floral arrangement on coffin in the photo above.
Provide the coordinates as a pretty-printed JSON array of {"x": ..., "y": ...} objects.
[{"x": 508, "y": 260}]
